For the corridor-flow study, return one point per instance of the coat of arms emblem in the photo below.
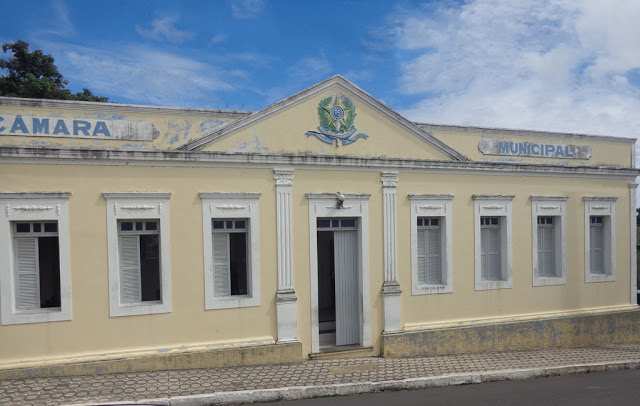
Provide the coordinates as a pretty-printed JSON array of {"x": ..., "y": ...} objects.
[{"x": 337, "y": 115}]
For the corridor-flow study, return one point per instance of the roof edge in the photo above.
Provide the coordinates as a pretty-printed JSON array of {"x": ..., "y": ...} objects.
[
  {"x": 522, "y": 132},
  {"x": 100, "y": 106},
  {"x": 374, "y": 103}
]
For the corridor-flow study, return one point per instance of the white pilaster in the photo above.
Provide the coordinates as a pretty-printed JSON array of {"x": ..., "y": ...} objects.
[
  {"x": 286, "y": 295},
  {"x": 632, "y": 223},
  {"x": 391, "y": 288}
]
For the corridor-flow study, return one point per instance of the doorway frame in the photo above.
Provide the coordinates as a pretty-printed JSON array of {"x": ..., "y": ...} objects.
[{"x": 355, "y": 205}]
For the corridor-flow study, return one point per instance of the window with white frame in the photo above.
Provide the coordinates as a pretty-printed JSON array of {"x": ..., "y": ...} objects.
[
  {"x": 491, "y": 266},
  {"x": 139, "y": 243},
  {"x": 549, "y": 238},
  {"x": 138, "y": 252},
  {"x": 546, "y": 247},
  {"x": 35, "y": 272},
  {"x": 231, "y": 250},
  {"x": 493, "y": 242},
  {"x": 431, "y": 244},
  {"x": 600, "y": 239},
  {"x": 429, "y": 251}
]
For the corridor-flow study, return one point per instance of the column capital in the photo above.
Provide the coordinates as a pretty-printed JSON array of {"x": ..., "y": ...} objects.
[
  {"x": 285, "y": 295},
  {"x": 283, "y": 177},
  {"x": 391, "y": 288},
  {"x": 389, "y": 179}
]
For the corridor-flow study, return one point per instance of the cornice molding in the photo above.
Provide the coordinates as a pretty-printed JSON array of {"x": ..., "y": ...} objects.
[
  {"x": 549, "y": 198},
  {"x": 136, "y": 195},
  {"x": 35, "y": 195},
  {"x": 230, "y": 195},
  {"x": 115, "y": 157}
]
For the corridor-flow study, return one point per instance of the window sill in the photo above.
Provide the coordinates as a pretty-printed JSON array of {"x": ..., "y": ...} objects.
[
  {"x": 550, "y": 281},
  {"x": 37, "y": 316},
  {"x": 491, "y": 285},
  {"x": 594, "y": 278},
  {"x": 140, "y": 309},
  {"x": 231, "y": 302},
  {"x": 431, "y": 289},
  {"x": 39, "y": 311}
]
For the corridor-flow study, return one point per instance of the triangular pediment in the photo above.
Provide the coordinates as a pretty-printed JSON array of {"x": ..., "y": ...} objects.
[{"x": 333, "y": 117}]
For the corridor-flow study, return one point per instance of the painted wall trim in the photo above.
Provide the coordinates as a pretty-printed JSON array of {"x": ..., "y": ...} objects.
[
  {"x": 134, "y": 206},
  {"x": 432, "y": 205},
  {"x": 33, "y": 207},
  {"x": 220, "y": 205},
  {"x": 114, "y": 157},
  {"x": 494, "y": 206},
  {"x": 286, "y": 300},
  {"x": 556, "y": 207},
  {"x": 35, "y": 195},
  {"x": 391, "y": 288},
  {"x": 355, "y": 205},
  {"x": 633, "y": 239}
]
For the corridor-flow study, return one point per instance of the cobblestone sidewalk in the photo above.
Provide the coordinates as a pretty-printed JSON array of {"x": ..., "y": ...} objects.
[{"x": 310, "y": 378}]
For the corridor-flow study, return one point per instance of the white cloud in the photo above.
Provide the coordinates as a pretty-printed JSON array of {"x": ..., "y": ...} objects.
[
  {"x": 549, "y": 65},
  {"x": 246, "y": 8},
  {"x": 310, "y": 69},
  {"x": 165, "y": 29},
  {"x": 60, "y": 22},
  {"x": 216, "y": 39},
  {"x": 364, "y": 75},
  {"x": 144, "y": 75}
]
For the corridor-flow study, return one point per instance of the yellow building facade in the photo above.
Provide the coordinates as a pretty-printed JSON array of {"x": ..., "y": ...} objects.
[{"x": 325, "y": 225}]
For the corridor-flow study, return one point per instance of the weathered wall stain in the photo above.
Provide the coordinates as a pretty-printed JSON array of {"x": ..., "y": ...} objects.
[
  {"x": 577, "y": 331},
  {"x": 172, "y": 360}
]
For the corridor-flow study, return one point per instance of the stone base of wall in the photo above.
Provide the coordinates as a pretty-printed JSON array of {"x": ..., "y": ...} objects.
[
  {"x": 561, "y": 332},
  {"x": 220, "y": 357}
]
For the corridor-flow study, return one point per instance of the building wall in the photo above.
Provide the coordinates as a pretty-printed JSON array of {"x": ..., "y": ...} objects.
[
  {"x": 93, "y": 332},
  {"x": 465, "y": 303}
]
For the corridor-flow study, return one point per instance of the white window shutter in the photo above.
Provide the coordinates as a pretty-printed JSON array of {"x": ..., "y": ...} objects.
[
  {"x": 27, "y": 275},
  {"x": 546, "y": 247},
  {"x": 597, "y": 249},
  {"x": 494, "y": 254},
  {"x": 422, "y": 257},
  {"x": 130, "y": 268},
  {"x": 490, "y": 241},
  {"x": 483, "y": 253},
  {"x": 221, "y": 265},
  {"x": 434, "y": 273}
]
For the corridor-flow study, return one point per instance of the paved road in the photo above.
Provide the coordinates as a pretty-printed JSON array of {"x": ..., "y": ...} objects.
[{"x": 603, "y": 388}]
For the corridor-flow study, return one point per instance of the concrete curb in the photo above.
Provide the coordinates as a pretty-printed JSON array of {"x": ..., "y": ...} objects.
[{"x": 307, "y": 392}]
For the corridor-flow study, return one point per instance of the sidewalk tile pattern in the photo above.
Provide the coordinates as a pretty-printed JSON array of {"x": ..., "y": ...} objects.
[{"x": 163, "y": 384}]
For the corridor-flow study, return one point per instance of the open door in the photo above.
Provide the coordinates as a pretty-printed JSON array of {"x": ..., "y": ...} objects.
[{"x": 338, "y": 285}]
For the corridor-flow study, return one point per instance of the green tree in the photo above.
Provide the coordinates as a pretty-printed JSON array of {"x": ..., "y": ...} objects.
[{"x": 34, "y": 74}]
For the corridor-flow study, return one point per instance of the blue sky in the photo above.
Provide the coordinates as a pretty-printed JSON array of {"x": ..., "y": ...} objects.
[{"x": 556, "y": 65}]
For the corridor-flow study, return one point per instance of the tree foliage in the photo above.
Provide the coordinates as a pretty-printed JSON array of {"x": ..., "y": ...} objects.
[{"x": 34, "y": 74}]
